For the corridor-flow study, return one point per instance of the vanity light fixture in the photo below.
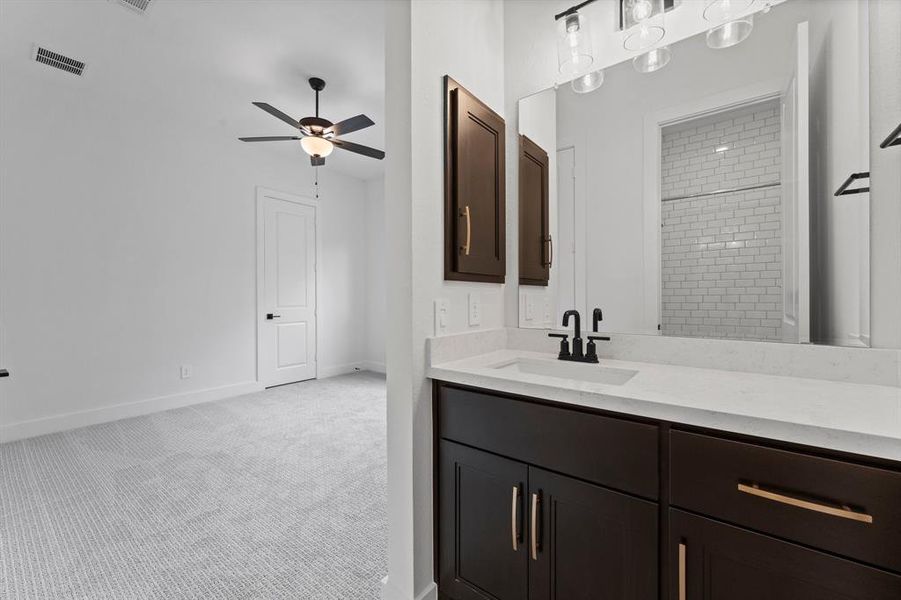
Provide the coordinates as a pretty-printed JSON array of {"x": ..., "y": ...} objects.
[
  {"x": 588, "y": 82},
  {"x": 642, "y": 23},
  {"x": 653, "y": 60},
  {"x": 574, "y": 52},
  {"x": 730, "y": 29}
]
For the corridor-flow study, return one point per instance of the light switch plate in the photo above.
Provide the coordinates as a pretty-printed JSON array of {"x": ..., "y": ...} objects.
[
  {"x": 530, "y": 307},
  {"x": 475, "y": 309},
  {"x": 442, "y": 307}
]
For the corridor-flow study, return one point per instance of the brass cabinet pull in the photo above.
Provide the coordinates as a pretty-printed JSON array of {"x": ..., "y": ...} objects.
[
  {"x": 683, "y": 593},
  {"x": 836, "y": 511},
  {"x": 514, "y": 521},
  {"x": 550, "y": 260},
  {"x": 465, "y": 213},
  {"x": 533, "y": 551}
]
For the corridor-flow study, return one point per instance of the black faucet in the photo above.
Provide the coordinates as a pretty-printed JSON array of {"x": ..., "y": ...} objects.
[
  {"x": 576, "y": 355},
  {"x": 577, "y": 337}
]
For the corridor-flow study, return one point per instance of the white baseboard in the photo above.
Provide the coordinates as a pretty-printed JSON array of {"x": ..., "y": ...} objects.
[
  {"x": 363, "y": 365},
  {"x": 104, "y": 414},
  {"x": 389, "y": 592},
  {"x": 371, "y": 365}
]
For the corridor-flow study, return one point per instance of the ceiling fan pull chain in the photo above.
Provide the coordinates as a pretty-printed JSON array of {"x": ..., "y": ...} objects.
[{"x": 316, "y": 180}]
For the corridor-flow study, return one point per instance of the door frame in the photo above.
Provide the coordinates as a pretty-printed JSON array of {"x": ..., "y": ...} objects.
[
  {"x": 262, "y": 193},
  {"x": 651, "y": 172}
]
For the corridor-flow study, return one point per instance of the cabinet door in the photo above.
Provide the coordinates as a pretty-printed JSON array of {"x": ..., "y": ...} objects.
[
  {"x": 481, "y": 520},
  {"x": 534, "y": 237},
  {"x": 587, "y": 542},
  {"x": 475, "y": 190},
  {"x": 714, "y": 561}
]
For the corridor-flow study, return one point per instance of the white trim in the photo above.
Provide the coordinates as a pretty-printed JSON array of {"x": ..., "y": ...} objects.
[
  {"x": 374, "y": 366},
  {"x": 115, "y": 412},
  {"x": 390, "y": 592},
  {"x": 323, "y": 372},
  {"x": 261, "y": 193},
  {"x": 653, "y": 124}
]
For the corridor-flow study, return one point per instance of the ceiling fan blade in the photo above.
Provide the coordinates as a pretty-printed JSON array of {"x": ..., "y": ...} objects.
[
  {"x": 359, "y": 149},
  {"x": 269, "y": 138},
  {"x": 350, "y": 125},
  {"x": 317, "y": 161},
  {"x": 278, "y": 114}
]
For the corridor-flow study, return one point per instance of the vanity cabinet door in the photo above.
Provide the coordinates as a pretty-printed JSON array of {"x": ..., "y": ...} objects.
[
  {"x": 481, "y": 521},
  {"x": 587, "y": 542},
  {"x": 475, "y": 197},
  {"x": 535, "y": 243},
  {"x": 714, "y": 561}
]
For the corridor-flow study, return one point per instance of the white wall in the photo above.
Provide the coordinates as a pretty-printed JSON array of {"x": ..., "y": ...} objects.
[
  {"x": 127, "y": 244},
  {"x": 839, "y": 146},
  {"x": 376, "y": 276},
  {"x": 425, "y": 41}
]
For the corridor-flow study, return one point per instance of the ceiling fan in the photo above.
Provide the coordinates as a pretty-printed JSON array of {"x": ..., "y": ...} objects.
[{"x": 318, "y": 136}]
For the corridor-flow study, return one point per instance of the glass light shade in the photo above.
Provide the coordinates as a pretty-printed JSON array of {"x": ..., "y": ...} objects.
[
  {"x": 652, "y": 61},
  {"x": 638, "y": 11},
  {"x": 718, "y": 11},
  {"x": 574, "y": 51},
  {"x": 643, "y": 36},
  {"x": 731, "y": 33},
  {"x": 316, "y": 146},
  {"x": 588, "y": 82}
]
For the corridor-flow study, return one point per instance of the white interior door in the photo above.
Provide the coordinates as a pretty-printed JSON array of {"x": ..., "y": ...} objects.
[
  {"x": 796, "y": 196},
  {"x": 565, "y": 240},
  {"x": 287, "y": 294}
]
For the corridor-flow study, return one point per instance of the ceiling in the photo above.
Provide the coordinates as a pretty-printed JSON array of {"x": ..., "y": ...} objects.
[{"x": 208, "y": 60}]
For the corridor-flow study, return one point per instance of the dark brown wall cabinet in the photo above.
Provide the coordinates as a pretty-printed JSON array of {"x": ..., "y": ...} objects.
[
  {"x": 535, "y": 242},
  {"x": 474, "y": 189},
  {"x": 539, "y": 501}
]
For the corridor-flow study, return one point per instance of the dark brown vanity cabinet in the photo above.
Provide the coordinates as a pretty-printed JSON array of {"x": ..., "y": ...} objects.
[
  {"x": 538, "y": 501},
  {"x": 474, "y": 194},
  {"x": 511, "y": 530},
  {"x": 536, "y": 246},
  {"x": 716, "y": 561}
]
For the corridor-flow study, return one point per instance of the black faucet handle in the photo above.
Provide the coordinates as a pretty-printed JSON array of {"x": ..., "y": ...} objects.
[
  {"x": 597, "y": 315},
  {"x": 564, "y": 343},
  {"x": 600, "y": 338}
]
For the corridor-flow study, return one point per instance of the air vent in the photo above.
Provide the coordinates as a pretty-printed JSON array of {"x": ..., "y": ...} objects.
[
  {"x": 140, "y": 6},
  {"x": 57, "y": 60}
]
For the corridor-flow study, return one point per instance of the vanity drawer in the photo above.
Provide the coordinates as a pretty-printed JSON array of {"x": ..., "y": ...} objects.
[
  {"x": 612, "y": 452},
  {"x": 842, "y": 507}
]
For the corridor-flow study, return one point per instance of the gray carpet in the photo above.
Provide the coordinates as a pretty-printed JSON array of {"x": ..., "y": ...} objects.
[{"x": 279, "y": 494}]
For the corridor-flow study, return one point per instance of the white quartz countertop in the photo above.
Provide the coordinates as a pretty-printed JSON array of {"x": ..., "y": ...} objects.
[{"x": 849, "y": 417}]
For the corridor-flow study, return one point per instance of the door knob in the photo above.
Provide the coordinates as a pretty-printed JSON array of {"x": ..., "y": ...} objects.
[
  {"x": 270, "y": 316},
  {"x": 4, "y": 373}
]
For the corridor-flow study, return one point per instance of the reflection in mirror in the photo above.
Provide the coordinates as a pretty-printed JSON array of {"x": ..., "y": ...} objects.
[{"x": 699, "y": 200}]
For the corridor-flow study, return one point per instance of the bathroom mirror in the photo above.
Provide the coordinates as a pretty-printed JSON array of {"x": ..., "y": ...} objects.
[{"x": 704, "y": 199}]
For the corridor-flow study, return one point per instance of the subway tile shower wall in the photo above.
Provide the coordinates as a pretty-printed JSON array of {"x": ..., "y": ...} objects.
[{"x": 722, "y": 253}]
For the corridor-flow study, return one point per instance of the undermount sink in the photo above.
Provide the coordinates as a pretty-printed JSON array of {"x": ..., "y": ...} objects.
[{"x": 567, "y": 370}]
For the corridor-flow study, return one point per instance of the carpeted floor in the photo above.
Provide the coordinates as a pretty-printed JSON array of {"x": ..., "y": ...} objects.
[{"x": 279, "y": 494}]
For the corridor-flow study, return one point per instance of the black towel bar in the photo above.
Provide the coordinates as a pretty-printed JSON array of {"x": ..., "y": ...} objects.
[
  {"x": 893, "y": 139},
  {"x": 843, "y": 188}
]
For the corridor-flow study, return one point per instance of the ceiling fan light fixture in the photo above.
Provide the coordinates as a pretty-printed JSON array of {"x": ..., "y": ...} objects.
[{"x": 317, "y": 146}]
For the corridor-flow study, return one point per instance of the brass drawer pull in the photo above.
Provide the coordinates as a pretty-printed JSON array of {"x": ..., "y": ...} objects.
[
  {"x": 836, "y": 511},
  {"x": 465, "y": 213},
  {"x": 514, "y": 520},
  {"x": 536, "y": 501},
  {"x": 683, "y": 593}
]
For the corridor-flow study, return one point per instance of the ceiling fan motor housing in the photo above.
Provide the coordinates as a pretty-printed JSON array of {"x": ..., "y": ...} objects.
[{"x": 315, "y": 124}]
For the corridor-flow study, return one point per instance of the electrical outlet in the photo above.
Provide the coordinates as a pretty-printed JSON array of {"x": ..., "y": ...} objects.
[
  {"x": 475, "y": 309},
  {"x": 187, "y": 371},
  {"x": 442, "y": 307},
  {"x": 530, "y": 307}
]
